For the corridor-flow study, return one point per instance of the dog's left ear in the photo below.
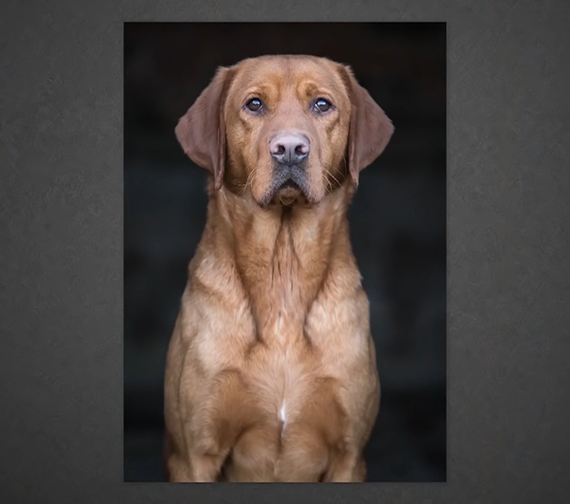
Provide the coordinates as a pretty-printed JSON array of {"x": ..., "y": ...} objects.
[
  {"x": 370, "y": 128},
  {"x": 201, "y": 131}
]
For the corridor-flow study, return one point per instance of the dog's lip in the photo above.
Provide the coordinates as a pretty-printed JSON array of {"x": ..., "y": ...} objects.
[
  {"x": 285, "y": 194},
  {"x": 288, "y": 192},
  {"x": 289, "y": 184}
]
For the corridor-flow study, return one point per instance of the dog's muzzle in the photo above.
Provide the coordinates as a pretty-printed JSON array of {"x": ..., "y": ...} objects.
[{"x": 289, "y": 151}]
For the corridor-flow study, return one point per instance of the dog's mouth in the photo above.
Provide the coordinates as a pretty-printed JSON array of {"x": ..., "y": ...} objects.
[
  {"x": 289, "y": 187},
  {"x": 289, "y": 184},
  {"x": 288, "y": 193}
]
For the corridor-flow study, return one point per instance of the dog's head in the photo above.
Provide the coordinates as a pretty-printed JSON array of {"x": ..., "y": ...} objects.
[{"x": 284, "y": 129}]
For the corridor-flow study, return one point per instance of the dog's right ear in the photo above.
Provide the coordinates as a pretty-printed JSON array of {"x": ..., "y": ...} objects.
[{"x": 201, "y": 131}]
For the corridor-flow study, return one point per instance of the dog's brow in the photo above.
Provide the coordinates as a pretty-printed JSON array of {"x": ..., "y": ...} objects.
[
  {"x": 258, "y": 89},
  {"x": 313, "y": 88}
]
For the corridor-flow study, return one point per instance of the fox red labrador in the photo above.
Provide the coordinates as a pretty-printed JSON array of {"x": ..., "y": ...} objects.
[{"x": 271, "y": 370}]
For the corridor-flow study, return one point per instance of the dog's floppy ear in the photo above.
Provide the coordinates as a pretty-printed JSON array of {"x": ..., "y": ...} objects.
[
  {"x": 370, "y": 128},
  {"x": 201, "y": 131}
]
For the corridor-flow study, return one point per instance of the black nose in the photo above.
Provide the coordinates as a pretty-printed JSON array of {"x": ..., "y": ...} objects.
[{"x": 289, "y": 147}]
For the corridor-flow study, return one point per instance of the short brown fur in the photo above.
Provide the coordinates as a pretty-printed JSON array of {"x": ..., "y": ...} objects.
[{"x": 271, "y": 370}]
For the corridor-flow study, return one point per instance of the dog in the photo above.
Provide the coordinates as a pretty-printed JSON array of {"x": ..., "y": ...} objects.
[{"x": 271, "y": 369}]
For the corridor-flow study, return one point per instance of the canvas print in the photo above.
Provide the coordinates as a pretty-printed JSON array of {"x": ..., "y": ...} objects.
[{"x": 285, "y": 252}]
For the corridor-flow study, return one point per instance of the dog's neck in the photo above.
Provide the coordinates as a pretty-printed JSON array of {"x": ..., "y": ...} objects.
[{"x": 282, "y": 257}]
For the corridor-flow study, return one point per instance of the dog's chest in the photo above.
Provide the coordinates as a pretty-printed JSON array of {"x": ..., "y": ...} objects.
[
  {"x": 280, "y": 376},
  {"x": 285, "y": 367}
]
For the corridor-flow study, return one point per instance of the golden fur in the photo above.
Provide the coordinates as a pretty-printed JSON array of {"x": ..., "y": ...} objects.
[{"x": 271, "y": 371}]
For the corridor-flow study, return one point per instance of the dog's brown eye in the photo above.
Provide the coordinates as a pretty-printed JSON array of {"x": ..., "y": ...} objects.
[
  {"x": 322, "y": 105},
  {"x": 254, "y": 105}
]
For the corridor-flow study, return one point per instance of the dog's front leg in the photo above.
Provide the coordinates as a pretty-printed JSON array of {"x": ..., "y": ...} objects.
[
  {"x": 206, "y": 468},
  {"x": 214, "y": 415},
  {"x": 203, "y": 468},
  {"x": 346, "y": 468},
  {"x": 198, "y": 456}
]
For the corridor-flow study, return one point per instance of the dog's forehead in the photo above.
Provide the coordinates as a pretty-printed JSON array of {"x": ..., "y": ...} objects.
[{"x": 286, "y": 71}]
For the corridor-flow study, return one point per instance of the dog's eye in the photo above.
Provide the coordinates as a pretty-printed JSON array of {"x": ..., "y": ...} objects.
[
  {"x": 322, "y": 105},
  {"x": 254, "y": 105}
]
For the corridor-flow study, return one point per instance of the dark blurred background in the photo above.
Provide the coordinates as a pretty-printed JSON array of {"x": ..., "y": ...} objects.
[{"x": 398, "y": 220}]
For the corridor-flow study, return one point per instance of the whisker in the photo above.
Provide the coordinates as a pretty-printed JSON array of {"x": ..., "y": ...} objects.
[
  {"x": 330, "y": 174},
  {"x": 249, "y": 180}
]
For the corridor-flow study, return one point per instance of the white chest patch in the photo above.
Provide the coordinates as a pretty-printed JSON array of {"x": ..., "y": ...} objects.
[{"x": 283, "y": 417}]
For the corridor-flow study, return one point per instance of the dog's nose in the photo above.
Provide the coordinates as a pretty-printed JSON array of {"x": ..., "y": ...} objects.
[{"x": 289, "y": 147}]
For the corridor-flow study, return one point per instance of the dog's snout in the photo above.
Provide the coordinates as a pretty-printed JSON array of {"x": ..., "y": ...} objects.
[{"x": 289, "y": 147}]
